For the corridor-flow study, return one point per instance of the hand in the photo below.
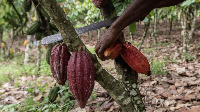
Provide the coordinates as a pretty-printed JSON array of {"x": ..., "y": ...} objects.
[{"x": 105, "y": 41}]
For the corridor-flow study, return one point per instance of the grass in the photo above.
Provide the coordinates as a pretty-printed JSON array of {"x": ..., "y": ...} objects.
[
  {"x": 14, "y": 68},
  {"x": 157, "y": 68},
  {"x": 149, "y": 50}
]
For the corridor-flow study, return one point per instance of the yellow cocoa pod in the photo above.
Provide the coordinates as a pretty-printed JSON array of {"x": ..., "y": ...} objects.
[
  {"x": 11, "y": 51},
  {"x": 34, "y": 18},
  {"x": 25, "y": 43},
  {"x": 3, "y": 44}
]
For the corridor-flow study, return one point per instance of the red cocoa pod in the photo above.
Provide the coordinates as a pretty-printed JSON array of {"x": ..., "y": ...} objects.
[
  {"x": 80, "y": 76},
  {"x": 135, "y": 59},
  {"x": 113, "y": 51},
  {"x": 58, "y": 63},
  {"x": 99, "y": 3}
]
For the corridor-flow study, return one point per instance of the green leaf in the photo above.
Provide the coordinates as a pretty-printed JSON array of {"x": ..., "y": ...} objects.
[
  {"x": 45, "y": 107},
  {"x": 152, "y": 13},
  {"x": 188, "y": 2},
  {"x": 12, "y": 110},
  {"x": 132, "y": 27}
]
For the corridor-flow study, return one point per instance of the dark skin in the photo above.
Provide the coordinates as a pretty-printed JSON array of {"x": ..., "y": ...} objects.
[{"x": 136, "y": 11}]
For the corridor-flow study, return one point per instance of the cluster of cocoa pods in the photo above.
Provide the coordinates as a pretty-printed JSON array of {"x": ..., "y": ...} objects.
[
  {"x": 77, "y": 68},
  {"x": 131, "y": 55}
]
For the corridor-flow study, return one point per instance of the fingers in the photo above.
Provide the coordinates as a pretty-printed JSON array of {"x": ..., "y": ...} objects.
[
  {"x": 99, "y": 49},
  {"x": 104, "y": 43},
  {"x": 101, "y": 53}
]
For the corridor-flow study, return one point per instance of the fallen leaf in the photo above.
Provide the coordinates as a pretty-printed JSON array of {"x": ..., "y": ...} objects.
[
  {"x": 194, "y": 83},
  {"x": 168, "y": 103},
  {"x": 179, "y": 106},
  {"x": 181, "y": 71},
  {"x": 38, "y": 98},
  {"x": 106, "y": 105}
]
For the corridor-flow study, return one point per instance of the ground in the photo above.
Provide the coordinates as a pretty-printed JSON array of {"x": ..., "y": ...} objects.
[{"x": 174, "y": 85}]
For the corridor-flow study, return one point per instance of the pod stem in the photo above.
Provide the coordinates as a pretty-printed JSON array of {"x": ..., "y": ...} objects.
[{"x": 80, "y": 48}]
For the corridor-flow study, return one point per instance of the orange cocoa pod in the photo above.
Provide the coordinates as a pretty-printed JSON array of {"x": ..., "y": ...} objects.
[
  {"x": 135, "y": 59},
  {"x": 113, "y": 51}
]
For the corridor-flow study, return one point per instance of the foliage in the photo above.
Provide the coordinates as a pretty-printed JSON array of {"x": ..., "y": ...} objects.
[
  {"x": 17, "y": 69},
  {"x": 45, "y": 106},
  {"x": 157, "y": 67},
  {"x": 8, "y": 16},
  {"x": 81, "y": 13}
]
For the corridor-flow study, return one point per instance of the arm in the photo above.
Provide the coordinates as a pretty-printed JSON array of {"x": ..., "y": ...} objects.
[{"x": 137, "y": 10}]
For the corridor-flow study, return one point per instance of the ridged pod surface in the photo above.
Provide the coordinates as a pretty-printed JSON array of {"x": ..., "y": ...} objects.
[
  {"x": 35, "y": 26},
  {"x": 58, "y": 63},
  {"x": 135, "y": 59},
  {"x": 113, "y": 51},
  {"x": 53, "y": 94},
  {"x": 80, "y": 76},
  {"x": 99, "y": 3}
]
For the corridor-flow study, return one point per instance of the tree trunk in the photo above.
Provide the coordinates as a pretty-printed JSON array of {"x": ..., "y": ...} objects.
[
  {"x": 99, "y": 33},
  {"x": 147, "y": 24},
  {"x": 28, "y": 38},
  {"x": 1, "y": 40},
  {"x": 26, "y": 58},
  {"x": 131, "y": 36},
  {"x": 12, "y": 37},
  {"x": 184, "y": 30},
  {"x": 193, "y": 23},
  {"x": 171, "y": 24},
  {"x": 155, "y": 26},
  {"x": 38, "y": 57}
]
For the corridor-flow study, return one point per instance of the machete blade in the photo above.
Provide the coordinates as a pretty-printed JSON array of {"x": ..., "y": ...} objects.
[{"x": 57, "y": 37}]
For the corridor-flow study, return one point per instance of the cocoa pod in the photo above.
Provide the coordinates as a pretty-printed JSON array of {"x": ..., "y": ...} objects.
[
  {"x": 80, "y": 76},
  {"x": 113, "y": 51},
  {"x": 53, "y": 93},
  {"x": 135, "y": 59},
  {"x": 99, "y": 3},
  {"x": 58, "y": 63},
  {"x": 25, "y": 43}
]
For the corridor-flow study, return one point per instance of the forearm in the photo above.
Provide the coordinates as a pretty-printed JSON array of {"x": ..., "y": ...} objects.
[
  {"x": 167, "y": 3},
  {"x": 135, "y": 11}
]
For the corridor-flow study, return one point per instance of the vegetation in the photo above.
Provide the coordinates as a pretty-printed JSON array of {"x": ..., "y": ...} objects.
[{"x": 23, "y": 63}]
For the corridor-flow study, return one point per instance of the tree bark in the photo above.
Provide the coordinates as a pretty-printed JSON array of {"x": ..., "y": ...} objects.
[
  {"x": 12, "y": 38},
  {"x": 171, "y": 24},
  {"x": 38, "y": 57},
  {"x": 1, "y": 40},
  {"x": 193, "y": 23},
  {"x": 117, "y": 90},
  {"x": 184, "y": 30},
  {"x": 155, "y": 26},
  {"x": 26, "y": 58}
]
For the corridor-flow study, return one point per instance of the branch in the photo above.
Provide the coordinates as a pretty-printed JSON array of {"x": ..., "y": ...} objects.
[
  {"x": 71, "y": 39},
  {"x": 20, "y": 18}
]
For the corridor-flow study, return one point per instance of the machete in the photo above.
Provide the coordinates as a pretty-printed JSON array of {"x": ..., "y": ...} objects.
[{"x": 57, "y": 37}]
